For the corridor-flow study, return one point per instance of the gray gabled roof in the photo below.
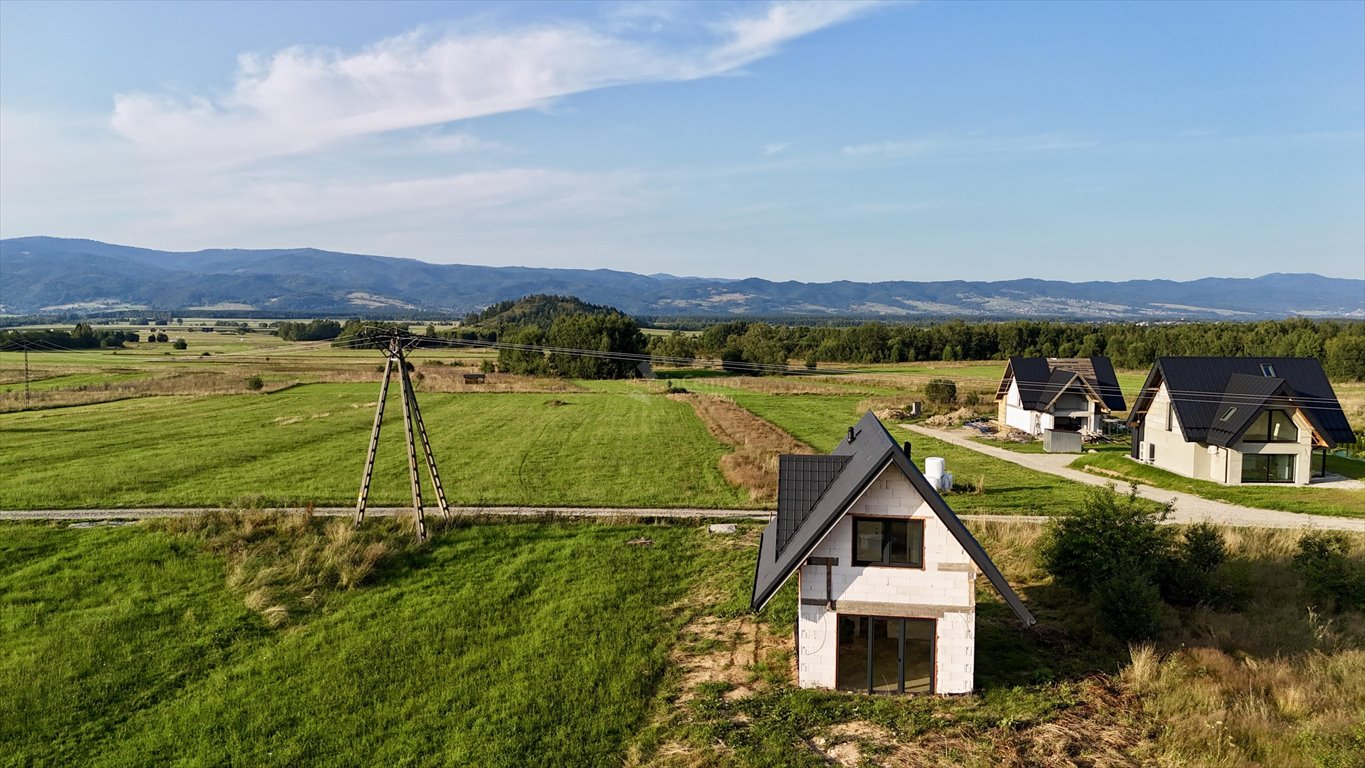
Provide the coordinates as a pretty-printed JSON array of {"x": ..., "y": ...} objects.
[
  {"x": 1041, "y": 379},
  {"x": 1201, "y": 389},
  {"x": 801, "y": 481},
  {"x": 871, "y": 450},
  {"x": 1243, "y": 400}
]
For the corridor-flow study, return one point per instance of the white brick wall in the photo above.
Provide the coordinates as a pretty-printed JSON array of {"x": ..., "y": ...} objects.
[{"x": 891, "y": 494}]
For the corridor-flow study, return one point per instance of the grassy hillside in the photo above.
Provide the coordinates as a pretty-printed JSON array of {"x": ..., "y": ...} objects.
[
  {"x": 552, "y": 643},
  {"x": 517, "y": 645}
]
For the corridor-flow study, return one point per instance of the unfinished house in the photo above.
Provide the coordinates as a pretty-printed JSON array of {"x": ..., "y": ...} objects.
[
  {"x": 1237, "y": 420},
  {"x": 1071, "y": 394},
  {"x": 887, "y": 573}
]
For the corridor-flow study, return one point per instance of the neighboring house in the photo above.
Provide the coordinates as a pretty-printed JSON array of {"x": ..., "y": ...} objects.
[
  {"x": 1065, "y": 394},
  {"x": 887, "y": 573},
  {"x": 1238, "y": 420}
]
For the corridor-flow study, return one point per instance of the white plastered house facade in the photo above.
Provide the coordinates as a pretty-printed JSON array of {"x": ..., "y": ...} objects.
[
  {"x": 1038, "y": 394},
  {"x": 887, "y": 573},
  {"x": 1238, "y": 421},
  {"x": 1287, "y": 460}
]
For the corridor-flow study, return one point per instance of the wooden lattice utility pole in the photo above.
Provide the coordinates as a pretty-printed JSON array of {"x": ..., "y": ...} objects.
[{"x": 395, "y": 347}]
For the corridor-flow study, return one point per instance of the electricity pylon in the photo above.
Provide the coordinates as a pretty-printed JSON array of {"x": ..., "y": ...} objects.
[{"x": 395, "y": 346}]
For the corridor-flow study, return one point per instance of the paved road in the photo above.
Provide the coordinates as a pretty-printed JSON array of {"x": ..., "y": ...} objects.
[{"x": 1188, "y": 507}]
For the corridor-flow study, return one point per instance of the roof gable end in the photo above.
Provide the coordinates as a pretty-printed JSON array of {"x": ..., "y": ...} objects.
[{"x": 869, "y": 453}]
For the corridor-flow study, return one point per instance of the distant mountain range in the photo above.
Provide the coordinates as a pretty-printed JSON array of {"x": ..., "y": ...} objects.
[{"x": 54, "y": 275}]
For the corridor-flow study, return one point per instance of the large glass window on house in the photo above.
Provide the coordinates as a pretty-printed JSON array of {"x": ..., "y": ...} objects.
[
  {"x": 1272, "y": 427},
  {"x": 888, "y": 542},
  {"x": 1268, "y": 468}
]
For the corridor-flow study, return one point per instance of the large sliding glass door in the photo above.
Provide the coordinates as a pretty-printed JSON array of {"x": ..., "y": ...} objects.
[
  {"x": 880, "y": 655},
  {"x": 1268, "y": 467}
]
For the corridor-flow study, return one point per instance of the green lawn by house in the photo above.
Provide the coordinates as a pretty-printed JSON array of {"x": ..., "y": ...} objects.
[{"x": 1317, "y": 501}]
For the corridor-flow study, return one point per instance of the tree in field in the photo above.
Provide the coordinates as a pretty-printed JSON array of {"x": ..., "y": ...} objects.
[{"x": 613, "y": 334}]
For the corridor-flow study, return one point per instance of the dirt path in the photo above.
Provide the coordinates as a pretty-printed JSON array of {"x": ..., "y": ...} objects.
[
  {"x": 150, "y": 513},
  {"x": 1188, "y": 507}
]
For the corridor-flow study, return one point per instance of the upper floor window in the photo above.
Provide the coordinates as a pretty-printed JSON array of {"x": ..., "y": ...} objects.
[
  {"x": 1170, "y": 416},
  {"x": 1272, "y": 427},
  {"x": 888, "y": 542},
  {"x": 1268, "y": 370}
]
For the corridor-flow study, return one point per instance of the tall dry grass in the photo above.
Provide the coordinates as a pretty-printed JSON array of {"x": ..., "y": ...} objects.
[
  {"x": 184, "y": 383},
  {"x": 1275, "y": 683},
  {"x": 756, "y": 443},
  {"x": 286, "y": 564}
]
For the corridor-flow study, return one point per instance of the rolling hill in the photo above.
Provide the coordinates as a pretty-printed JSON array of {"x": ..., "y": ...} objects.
[{"x": 51, "y": 275}]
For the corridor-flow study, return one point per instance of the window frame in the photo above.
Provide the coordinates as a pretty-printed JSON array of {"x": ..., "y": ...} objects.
[
  {"x": 910, "y": 523},
  {"x": 1270, "y": 458},
  {"x": 1266, "y": 437}
]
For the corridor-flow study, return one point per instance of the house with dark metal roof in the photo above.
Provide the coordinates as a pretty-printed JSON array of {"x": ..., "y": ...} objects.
[
  {"x": 1067, "y": 394},
  {"x": 886, "y": 571},
  {"x": 1238, "y": 420}
]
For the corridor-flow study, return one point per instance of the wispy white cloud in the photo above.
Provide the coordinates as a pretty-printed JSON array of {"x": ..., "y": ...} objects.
[
  {"x": 971, "y": 144},
  {"x": 300, "y": 99},
  {"x": 776, "y": 148}
]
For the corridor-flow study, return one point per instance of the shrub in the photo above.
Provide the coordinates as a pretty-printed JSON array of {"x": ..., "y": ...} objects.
[
  {"x": 941, "y": 391},
  {"x": 1110, "y": 534},
  {"x": 1130, "y": 605},
  {"x": 487, "y": 366},
  {"x": 1334, "y": 580},
  {"x": 1187, "y": 576},
  {"x": 972, "y": 399},
  {"x": 255, "y": 383},
  {"x": 180, "y": 344}
]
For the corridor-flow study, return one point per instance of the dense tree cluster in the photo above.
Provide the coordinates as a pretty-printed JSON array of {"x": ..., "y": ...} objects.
[
  {"x": 317, "y": 330},
  {"x": 609, "y": 334},
  {"x": 81, "y": 337},
  {"x": 540, "y": 310},
  {"x": 744, "y": 344}
]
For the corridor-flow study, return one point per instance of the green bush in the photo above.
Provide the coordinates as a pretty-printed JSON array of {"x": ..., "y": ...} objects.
[
  {"x": 1334, "y": 580},
  {"x": 180, "y": 344},
  {"x": 1188, "y": 575},
  {"x": 255, "y": 383},
  {"x": 1110, "y": 534},
  {"x": 1130, "y": 605},
  {"x": 941, "y": 391}
]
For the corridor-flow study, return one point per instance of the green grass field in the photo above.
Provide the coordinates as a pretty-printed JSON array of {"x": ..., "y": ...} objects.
[
  {"x": 1317, "y": 501},
  {"x": 307, "y": 444},
  {"x": 560, "y": 643},
  {"x": 822, "y": 420},
  {"x": 498, "y": 645}
]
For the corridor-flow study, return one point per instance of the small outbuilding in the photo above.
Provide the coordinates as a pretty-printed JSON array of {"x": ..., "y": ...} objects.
[
  {"x": 1070, "y": 394},
  {"x": 887, "y": 572}
]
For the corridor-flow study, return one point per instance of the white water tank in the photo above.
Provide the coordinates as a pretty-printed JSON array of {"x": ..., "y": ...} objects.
[{"x": 933, "y": 467}]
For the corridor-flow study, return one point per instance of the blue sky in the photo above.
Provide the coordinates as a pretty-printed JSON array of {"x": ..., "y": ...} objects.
[{"x": 803, "y": 141}]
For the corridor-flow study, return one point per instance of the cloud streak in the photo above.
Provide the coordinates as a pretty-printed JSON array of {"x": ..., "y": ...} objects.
[
  {"x": 971, "y": 144},
  {"x": 299, "y": 100}
]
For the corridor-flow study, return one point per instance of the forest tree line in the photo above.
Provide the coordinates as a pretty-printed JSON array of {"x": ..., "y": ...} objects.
[{"x": 740, "y": 344}]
